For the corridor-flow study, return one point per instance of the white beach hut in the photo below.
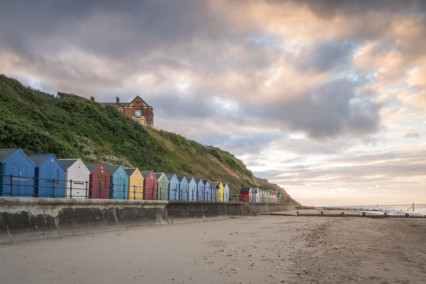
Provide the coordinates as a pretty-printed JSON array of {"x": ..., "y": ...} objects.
[{"x": 76, "y": 178}]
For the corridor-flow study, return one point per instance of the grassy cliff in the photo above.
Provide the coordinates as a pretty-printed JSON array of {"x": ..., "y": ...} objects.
[{"x": 71, "y": 126}]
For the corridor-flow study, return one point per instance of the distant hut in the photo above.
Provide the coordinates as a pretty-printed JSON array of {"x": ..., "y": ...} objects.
[
  {"x": 77, "y": 177},
  {"x": 215, "y": 187},
  {"x": 245, "y": 194},
  {"x": 225, "y": 192},
  {"x": 50, "y": 176},
  {"x": 99, "y": 180},
  {"x": 149, "y": 185},
  {"x": 174, "y": 187},
  {"x": 184, "y": 187},
  {"x": 254, "y": 194},
  {"x": 192, "y": 189},
  {"x": 207, "y": 190},
  {"x": 200, "y": 189},
  {"x": 162, "y": 186},
  {"x": 135, "y": 190},
  {"x": 17, "y": 173},
  {"x": 119, "y": 182}
]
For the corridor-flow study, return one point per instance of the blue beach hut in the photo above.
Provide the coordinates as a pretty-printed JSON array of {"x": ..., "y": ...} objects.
[
  {"x": 184, "y": 187},
  {"x": 174, "y": 187},
  {"x": 207, "y": 190},
  {"x": 254, "y": 194},
  {"x": 119, "y": 182},
  {"x": 200, "y": 189},
  {"x": 192, "y": 189},
  {"x": 214, "y": 186},
  {"x": 50, "y": 176},
  {"x": 225, "y": 192},
  {"x": 16, "y": 173}
]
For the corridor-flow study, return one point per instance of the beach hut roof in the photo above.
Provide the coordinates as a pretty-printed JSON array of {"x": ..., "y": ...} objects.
[
  {"x": 214, "y": 184},
  {"x": 5, "y": 153},
  {"x": 170, "y": 176},
  {"x": 92, "y": 166},
  {"x": 66, "y": 163},
  {"x": 158, "y": 175},
  {"x": 245, "y": 189},
  {"x": 180, "y": 178},
  {"x": 39, "y": 158},
  {"x": 197, "y": 180},
  {"x": 129, "y": 172},
  {"x": 112, "y": 169},
  {"x": 145, "y": 173},
  {"x": 205, "y": 181}
]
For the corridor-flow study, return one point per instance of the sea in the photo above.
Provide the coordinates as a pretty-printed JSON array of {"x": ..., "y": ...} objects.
[{"x": 401, "y": 209}]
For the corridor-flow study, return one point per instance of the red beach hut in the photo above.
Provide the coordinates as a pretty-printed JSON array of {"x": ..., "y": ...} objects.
[
  {"x": 246, "y": 194},
  {"x": 150, "y": 183},
  {"x": 99, "y": 180}
]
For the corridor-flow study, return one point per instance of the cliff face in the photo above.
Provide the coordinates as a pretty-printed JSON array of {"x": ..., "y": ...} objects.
[{"x": 71, "y": 126}]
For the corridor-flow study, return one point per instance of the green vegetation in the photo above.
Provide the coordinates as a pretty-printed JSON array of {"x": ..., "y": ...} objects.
[{"x": 71, "y": 126}]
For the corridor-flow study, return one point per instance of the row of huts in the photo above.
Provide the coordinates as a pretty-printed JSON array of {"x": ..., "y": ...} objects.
[
  {"x": 43, "y": 175},
  {"x": 255, "y": 194}
]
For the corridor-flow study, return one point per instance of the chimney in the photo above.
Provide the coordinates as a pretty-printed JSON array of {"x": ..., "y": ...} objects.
[
  {"x": 92, "y": 99},
  {"x": 117, "y": 100}
]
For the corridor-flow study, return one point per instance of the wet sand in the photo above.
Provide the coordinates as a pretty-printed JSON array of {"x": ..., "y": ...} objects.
[{"x": 262, "y": 249}]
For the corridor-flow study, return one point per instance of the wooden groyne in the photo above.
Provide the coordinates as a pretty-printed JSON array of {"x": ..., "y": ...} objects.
[{"x": 343, "y": 214}]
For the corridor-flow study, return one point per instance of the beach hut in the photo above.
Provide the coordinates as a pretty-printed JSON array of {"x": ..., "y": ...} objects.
[
  {"x": 245, "y": 194},
  {"x": 119, "y": 182},
  {"x": 162, "y": 186},
  {"x": 219, "y": 192},
  {"x": 174, "y": 183},
  {"x": 76, "y": 178},
  {"x": 16, "y": 173},
  {"x": 50, "y": 175},
  {"x": 215, "y": 188},
  {"x": 149, "y": 185},
  {"x": 207, "y": 190},
  {"x": 274, "y": 196},
  {"x": 184, "y": 187},
  {"x": 225, "y": 192},
  {"x": 200, "y": 189},
  {"x": 254, "y": 194},
  {"x": 135, "y": 190},
  {"x": 192, "y": 189},
  {"x": 99, "y": 180}
]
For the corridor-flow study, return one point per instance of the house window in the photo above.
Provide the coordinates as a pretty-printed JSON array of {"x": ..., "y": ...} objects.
[{"x": 138, "y": 113}]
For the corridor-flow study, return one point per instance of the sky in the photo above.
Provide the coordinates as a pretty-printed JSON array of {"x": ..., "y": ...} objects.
[{"x": 325, "y": 98}]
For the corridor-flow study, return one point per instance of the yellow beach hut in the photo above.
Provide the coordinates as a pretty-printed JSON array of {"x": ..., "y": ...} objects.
[
  {"x": 135, "y": 184},
  {"x": 220, "y": 191}
]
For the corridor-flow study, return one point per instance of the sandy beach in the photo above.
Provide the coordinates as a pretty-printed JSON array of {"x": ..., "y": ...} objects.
[{"x": 261, "y": 249}]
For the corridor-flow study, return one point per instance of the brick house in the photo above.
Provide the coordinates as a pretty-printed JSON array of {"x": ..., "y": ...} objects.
[{"x": 137, "y": 109}]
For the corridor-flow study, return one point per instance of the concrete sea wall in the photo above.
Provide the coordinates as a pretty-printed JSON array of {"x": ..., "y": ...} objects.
[{"x": 34, "y": 218}]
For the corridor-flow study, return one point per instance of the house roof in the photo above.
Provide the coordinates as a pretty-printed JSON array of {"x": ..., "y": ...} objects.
[
  {"x": 4, "y": 153},
  {"x": 66, "y": 163},
  {"x": 124, "y": 104}
]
